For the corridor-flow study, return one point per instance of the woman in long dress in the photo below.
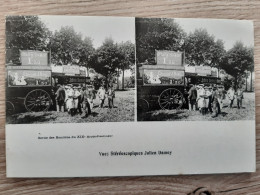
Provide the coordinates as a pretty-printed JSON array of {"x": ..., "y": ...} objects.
[
  {"x": 201, "y": 99},
  {"x": 70, "y": 100}
]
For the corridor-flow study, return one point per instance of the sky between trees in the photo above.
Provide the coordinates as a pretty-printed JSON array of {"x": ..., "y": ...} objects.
[
  {"x": 230, "y": 31},
  {"x": 120, "y": 29},
  {"x": 123, "y": 28}
]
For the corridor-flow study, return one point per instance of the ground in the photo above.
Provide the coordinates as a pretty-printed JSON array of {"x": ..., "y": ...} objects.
[
  {"x": 123, "y": 111},
  {"x": 247, "y": 112}
]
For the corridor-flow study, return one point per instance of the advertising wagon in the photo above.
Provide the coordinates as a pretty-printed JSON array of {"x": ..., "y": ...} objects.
[
  {"x": 29, "y": 85},
  {"x": 162, "y": 85}
]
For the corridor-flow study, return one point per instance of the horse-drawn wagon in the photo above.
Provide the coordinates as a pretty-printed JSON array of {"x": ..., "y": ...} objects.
[
  {"x": 29, "y": 86},
  {"x": 162, "y": 85}
]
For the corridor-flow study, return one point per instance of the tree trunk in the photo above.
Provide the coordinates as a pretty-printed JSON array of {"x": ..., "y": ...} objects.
[
  {"x": 123, "y": 75},
  {"x": 117, "y": 79},
  {"x": 246, "y": 81},
  {"x": 251, "y": 81}
]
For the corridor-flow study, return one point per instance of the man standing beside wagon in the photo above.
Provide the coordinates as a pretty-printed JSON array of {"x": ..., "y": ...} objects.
[{"x": 231, "y": 95}]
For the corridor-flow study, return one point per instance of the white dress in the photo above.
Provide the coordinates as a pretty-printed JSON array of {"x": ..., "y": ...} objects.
[
  {"x": 69, "y": 99},
  {"x": 201, "y": 100}
]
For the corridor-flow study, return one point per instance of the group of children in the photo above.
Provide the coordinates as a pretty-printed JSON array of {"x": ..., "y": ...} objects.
[
  {"x": 80, "y": 99},
  {"x": 211, "y": 98}
]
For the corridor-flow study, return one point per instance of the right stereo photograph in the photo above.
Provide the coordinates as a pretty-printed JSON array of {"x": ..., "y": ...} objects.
[{"x": 194, "y": 69}]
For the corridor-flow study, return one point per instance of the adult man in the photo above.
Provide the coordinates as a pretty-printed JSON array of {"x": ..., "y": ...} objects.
[
  {"x": 110, "y": 97},
  {"x": 60, "y": 98},
  {"x": 231, "y": 95},
  {"x": 101, "y": 94},
  {"x": 86, "y": 96},
  {"x": 209, "y": 98},
  {"x": 192, "y": 97},
  {"x": 222, "y": 93},
  {"x": 91, "y": 96},
  {"x": 215, "y": 100},
  {"x": 240, "y": 96}
]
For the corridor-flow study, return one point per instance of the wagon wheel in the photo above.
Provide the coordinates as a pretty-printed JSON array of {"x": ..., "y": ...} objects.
[
  {"x": 37, "y": 100},
  {"x": 143, "y": 105},
  {"x": 9, "y": 106},
  {"x": 171, "y": 99}
]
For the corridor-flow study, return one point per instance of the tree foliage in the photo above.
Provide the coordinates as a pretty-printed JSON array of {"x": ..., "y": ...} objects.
[
  {"x": 68, "y": 47},
  {"x": 156, "y": 34},
  {"x": 126, "y": 52},
  {"x": 24, "y": 33},
  {"x": 106, "y": 59},
  {"x": 237, "y": 60},
  {"x": 86, "y": 53},
  {"x": 202, "y": 49}
]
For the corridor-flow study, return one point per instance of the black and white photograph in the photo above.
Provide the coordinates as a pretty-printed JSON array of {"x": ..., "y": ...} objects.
[
  {"x": 194, "y": 69},
  {"x": 70, "y": 69},
  {"x": 79, "y": 91}
]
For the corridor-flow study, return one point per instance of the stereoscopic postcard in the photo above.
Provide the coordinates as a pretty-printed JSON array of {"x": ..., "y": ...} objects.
[{"x": 123, "y": 96}]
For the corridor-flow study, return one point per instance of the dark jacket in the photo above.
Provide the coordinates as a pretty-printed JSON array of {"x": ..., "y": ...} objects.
[
  {"x": 192, "y": 93},
  {"x": 60, "y": 94}
]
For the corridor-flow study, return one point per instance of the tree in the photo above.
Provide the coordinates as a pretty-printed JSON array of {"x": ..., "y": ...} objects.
[
  {"x": 106, "y": 60},
  {"x": 202, "y": 49},
  {"x": 67, "y": 46},
  {"x": 86, "y": 53},
  {"x": 251, "y": 67},
  {"x": 24, "y": 33},
  {"x": 218, "y": 52},
  {"x": 236, "y": 61},
  {"x": 156, "y": 34},
  {"x": 126, "y": 57}
]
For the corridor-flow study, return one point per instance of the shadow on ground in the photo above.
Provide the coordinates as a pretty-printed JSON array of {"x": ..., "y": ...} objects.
[
  {"x": 162, "y": 116},
  {"x": 25, "y": 119}
]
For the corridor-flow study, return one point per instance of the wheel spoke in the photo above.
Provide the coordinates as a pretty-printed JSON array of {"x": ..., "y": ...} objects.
[
  {"x": 32, "y": 107},
  {"x": 30, "y": 101},
  {"x": 164, "y": 102},
  {"x": 165, "y": 99},
  {"x": 166, "y": 105},
  {"x": 45, "y": 98},
  {"x": 30, "y": 104}
]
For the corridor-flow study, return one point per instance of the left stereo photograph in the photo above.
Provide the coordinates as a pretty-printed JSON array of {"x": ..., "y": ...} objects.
[{"x": 70, "y": 69}]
